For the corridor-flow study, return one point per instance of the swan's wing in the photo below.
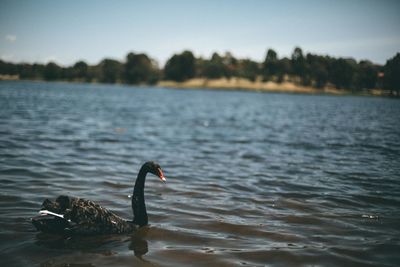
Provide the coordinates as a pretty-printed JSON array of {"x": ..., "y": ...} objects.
[
  {"x": 90, "y": 218},
  {"x": 59, "y": 206},
  {"x": 78, "y": 216},
  {"x": 51, "y": 216},
  {"x": 51, "y": 223}
]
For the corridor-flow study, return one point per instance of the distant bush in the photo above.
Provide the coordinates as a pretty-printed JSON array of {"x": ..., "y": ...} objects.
[
  {"x": 52, "y": 72},
  {"x": 391, "y": 79},
  {"x": 139, "y": 68},
  {"x": 180, "y": 67}
]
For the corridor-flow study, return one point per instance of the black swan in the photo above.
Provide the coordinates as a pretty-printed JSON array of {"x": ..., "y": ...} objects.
[{"x": 71, "y": 216}]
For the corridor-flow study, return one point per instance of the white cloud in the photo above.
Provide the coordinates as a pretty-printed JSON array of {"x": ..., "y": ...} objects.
[
  {"x": 11, "y": 38},
  {"x": 51, "y": 58},
  {"x": 7, "y": 57}
]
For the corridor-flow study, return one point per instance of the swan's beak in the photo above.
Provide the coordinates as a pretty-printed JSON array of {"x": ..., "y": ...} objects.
[{"x": 161, "y": 175}]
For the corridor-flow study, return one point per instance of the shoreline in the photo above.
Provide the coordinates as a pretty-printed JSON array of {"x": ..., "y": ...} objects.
[{"x": 240, "y": 84}]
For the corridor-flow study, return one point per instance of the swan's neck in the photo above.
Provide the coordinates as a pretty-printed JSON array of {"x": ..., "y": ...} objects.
[{"x": 138, "y": 203}]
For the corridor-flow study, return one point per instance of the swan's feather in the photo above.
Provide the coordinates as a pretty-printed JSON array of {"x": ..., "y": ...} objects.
[
  {"x": 47, "y": 212},
  {"x": 79, "y": 216}
]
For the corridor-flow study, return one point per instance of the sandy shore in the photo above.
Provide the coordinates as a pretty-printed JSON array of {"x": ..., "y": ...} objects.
[
  {"x": 240, "y": 84},
  {"x": 244, "y": 84},
  {"x": 7, "y": 77}
]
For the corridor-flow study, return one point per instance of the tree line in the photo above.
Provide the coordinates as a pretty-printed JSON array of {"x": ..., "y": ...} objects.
[{"x": 303, "y": 69}]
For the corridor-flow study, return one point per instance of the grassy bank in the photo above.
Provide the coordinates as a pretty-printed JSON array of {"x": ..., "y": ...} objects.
[
  {"x": 260, "y": 86},
  {"x": 239, "y": 84}
]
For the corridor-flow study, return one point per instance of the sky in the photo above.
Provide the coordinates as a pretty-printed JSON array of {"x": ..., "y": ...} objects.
[{"x": 68, "y": 31}]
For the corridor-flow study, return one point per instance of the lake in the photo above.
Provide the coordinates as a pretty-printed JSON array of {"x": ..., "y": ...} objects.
[{"x": 253, "y": 179}]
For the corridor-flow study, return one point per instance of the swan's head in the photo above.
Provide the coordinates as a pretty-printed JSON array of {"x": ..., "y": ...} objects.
[{"x": 155, "y": 169}]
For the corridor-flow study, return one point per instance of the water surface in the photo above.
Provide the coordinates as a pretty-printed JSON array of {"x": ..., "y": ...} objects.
[{"x": 253, "y": 179}]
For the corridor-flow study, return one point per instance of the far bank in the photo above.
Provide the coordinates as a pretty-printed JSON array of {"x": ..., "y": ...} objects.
[{"x": 260, "y": 86}]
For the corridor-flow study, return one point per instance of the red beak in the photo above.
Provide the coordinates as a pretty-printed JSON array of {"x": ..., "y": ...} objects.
[{"x": 161, "y": 175}]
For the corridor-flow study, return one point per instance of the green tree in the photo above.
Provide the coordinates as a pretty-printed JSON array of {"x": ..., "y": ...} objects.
[
  {"x": 25, "y": 71},
  {"x": 80, "y": 71},
  {"x": 180, "y": 67},
  {"x": 319, "y": 74},
  {"x": 139, "y": 68},
  {"x": 52, "y": 72},
  {"x": 342, "y": 72},
  {"x": 366, "y": 75},
  {"x": 317, "y": 70},
  {"x": 214, "y": 68},
  {"x": 298, "y": 62},
  {"x": 110, "y": 71},
  {"x": 284, "y": 67},
  {"x": 38, "y": 71},
  {"x": 217, "y": 66},
  {"x": 231, "y": 64},
  {"x": 248, "y": 69},
  {"x": 391, "y": 79},
  {"x": 271, "y": 64},
  {"x": 300, "y": 67},
  {"x": 8, "y": 68},
  {"x": 67, "y": 73}
]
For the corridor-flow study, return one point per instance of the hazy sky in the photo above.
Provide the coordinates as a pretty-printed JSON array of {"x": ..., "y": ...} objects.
[{"x": 67, "y": 31}]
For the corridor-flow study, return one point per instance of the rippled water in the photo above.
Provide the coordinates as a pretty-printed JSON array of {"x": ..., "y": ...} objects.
[{"x": 253, "y": 179}]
